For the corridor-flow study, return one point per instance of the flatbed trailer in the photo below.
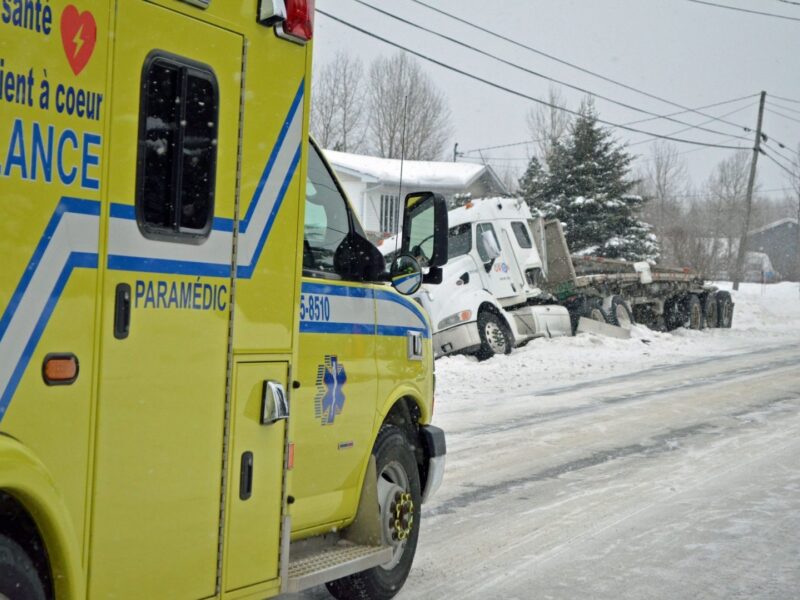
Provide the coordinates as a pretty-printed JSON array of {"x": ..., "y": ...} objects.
[{"x": 621, "y": 292}]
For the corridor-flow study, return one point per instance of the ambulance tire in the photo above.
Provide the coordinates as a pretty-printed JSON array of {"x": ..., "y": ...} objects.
[
  {"x": 19, "y": 579},
  {"x": 494, "y": 334},
  {"x": 395, "y": 462}
]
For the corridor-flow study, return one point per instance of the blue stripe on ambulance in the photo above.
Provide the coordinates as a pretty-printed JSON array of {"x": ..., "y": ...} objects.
[{"x": 346, "y": 321}]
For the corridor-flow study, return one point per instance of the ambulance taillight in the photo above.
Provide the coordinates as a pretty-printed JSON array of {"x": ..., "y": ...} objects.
[
  {"x": 293, "y": 19},
  {"x": 299, "y": 22}
]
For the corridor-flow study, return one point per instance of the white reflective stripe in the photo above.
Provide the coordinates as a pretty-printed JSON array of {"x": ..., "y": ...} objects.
[
  {"x": 248, "y": 241},
  {"x": 74, "y": 233},
  {"x": 395, "y": 314},
  {"x": 125, "y": 239}
]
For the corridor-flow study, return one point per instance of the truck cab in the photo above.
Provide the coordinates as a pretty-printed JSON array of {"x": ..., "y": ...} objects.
[{"x": 490, "y": 300}]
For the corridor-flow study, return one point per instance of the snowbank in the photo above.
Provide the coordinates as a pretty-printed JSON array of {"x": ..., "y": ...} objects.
[{"x": 765, "y": 316}]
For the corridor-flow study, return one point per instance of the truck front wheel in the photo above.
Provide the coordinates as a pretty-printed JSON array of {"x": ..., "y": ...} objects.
[
  {"x": 399, "y": 499},
  {"x": 495, "y": 338}
]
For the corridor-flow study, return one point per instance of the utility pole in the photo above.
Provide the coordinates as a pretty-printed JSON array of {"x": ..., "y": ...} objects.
[
  {"x": 738, "y": 271},
  {"x": 455, "y": 153}
]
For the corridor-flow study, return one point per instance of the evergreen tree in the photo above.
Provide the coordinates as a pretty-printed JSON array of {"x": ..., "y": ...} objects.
[{"x": 586, "y": 187}]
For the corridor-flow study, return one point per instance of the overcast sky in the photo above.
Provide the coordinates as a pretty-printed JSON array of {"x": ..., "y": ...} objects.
[{"x": 686, "y": 52}]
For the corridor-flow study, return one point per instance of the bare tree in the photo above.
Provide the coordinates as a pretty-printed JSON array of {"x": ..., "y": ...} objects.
[
  {"x": 337, "y": 104},
  {"x": 663, "y": 182},
  {"x": 400, "y": 93},
  {"x": 548, "y": 124},
  {"x": 725, "y": 205}
]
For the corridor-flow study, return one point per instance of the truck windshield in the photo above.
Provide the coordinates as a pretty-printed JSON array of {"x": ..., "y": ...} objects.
[{"x": 459, "y": 240}]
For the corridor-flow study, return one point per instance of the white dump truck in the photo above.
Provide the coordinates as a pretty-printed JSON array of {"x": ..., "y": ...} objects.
[{"x": 510, "y": 278}]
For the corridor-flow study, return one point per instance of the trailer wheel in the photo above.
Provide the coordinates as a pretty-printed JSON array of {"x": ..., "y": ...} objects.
[
  {"x": 725, "y": 309},
  {"x": 18, "y": 576},
  {"x": 675, "y": 314},
  {"x": 710, "y": 311},
  {"x": 495, "y": 337},
  {"x": 694, "y": 313},
  {"x": 596, "y": 312},
  {"x": 399, "y": 499},
  {"x": 620, "y": 314}
]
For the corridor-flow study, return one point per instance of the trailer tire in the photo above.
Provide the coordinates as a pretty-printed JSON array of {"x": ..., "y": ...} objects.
[
  {"x": 694, "y": 313},
  {"x": 725, "y": 309},
  {"x": 620, "y": 313},
  {"x": 19, "y": 578},
  {"x": 494, "y": 334},
  {"x": 674, "y": 313},
  {"x": 711, "y": 311},
  {"x": 397, "y": 470},
  {"x": 596, "y": 312}
]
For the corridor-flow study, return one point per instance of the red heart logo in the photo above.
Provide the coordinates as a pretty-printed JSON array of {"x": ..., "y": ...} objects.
[{"x": 78, "y": 35}]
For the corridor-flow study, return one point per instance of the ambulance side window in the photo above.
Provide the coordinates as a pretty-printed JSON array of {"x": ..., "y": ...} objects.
[
  {"x": 177, "y": 149},
  {"x": 327, "y": 218}
]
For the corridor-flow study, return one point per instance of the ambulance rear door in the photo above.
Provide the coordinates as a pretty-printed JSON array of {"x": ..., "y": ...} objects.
[{"x": 166, "y": 296}]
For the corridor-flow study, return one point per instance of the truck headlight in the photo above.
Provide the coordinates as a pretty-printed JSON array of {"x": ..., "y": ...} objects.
[{"x": 464, "y": 315}]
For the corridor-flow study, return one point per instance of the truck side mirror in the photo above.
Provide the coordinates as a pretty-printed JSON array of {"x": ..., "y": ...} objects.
[{"x": 425, "y": 229}]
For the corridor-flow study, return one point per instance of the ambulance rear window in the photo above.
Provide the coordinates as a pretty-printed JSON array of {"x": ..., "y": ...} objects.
[{"x": 177, "y": 150}]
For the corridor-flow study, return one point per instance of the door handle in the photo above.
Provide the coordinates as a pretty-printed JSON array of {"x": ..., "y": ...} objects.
[
  {"x": 274, "y": 405},
  {"x": 122, "y": 311},
  {"x": 246, "y": 476}
]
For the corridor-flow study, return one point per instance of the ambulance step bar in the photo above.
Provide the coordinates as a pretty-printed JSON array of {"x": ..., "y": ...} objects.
[{"x": 317, "y": 563}]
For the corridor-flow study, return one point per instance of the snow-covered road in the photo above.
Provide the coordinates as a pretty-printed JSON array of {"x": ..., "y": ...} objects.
[{"x": 665, "y": 466}]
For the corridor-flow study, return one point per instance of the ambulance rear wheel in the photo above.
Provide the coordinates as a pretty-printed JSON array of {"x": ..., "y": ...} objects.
[
  {"x": 399, "y": 500},
  {"x": 495, "y": 337},
  {"x": 19, "y": 579}
]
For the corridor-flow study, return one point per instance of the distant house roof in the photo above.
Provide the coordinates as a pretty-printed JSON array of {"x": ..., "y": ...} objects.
[
  {"x": 416, "y": 173},
  {"x": 772, "y": 225}
]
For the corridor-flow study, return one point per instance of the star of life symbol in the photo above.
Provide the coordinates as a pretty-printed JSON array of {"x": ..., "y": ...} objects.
[{"x": 329, "y": 401}]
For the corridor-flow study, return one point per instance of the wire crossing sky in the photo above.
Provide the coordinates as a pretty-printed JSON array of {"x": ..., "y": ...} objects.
[{"x": 648, "y": 55}]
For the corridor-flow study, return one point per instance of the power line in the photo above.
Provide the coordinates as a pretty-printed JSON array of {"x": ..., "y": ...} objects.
[
  {"x": 769, "y": 156},
  {"x": 782, "y": 107},
  {"x": 531, "y": 142},
  {"x": 789, "y": 2},
  {"x": 511, "y": 145},
  {"x": 688, "y": 128},
  {"x": 512, "y": 91},
  {"x": 569, "y": 64},
  {"x": 745, "y": 10},
  {"x": 699, "y": 108},
  {"x": 530, "y": 71},
  {"x": 785, "y": 99},
  {"x": 783, "y": 156},
  {"x": 775, "y": 112}
]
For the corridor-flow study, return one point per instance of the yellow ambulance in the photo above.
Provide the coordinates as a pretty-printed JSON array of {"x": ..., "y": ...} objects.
[{"x": 211, "y": 386}]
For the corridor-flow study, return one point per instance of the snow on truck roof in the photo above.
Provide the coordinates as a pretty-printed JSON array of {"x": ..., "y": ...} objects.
[
  {"x": 486, "y": 209},
  {"x": 415, "y": 172}
]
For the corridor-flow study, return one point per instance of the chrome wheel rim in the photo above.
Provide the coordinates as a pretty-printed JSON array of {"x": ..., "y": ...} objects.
[
  {"x": 396, "y": 510},
  {"x": 597, "y": 315},
  {"x": 495, "y": 337}
]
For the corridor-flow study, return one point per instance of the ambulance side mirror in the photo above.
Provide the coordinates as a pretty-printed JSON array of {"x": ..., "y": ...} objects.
[
  {"x": 406, "y": 274},
  {"x": 425, "y": 229}
]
